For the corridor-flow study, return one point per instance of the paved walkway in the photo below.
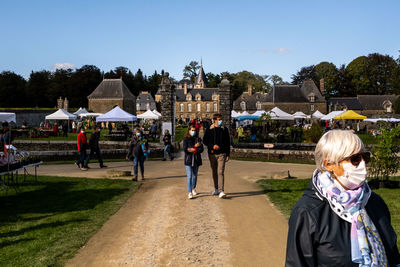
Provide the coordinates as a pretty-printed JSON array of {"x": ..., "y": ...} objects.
[{"x": 159, "y": 226}]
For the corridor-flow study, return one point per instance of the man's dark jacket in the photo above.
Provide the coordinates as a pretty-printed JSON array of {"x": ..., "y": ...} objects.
[
  {"x": 217, "y": 136},
  {"x": 94, "y": 140},
  {"x": 319, "y": 237},
  {"x": 135, "y": 148},
  {"x": 192, "y": 159}
]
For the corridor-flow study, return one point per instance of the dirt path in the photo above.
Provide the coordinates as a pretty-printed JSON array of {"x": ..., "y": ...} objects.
[{"x": 159, "y": 226}]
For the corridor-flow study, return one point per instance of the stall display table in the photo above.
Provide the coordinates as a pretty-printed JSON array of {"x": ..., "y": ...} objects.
[{"x": 10, "y": 178}]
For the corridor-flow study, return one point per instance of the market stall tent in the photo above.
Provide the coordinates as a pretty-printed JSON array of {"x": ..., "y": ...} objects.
[
  {"x": 8, "y": 117},
  {"x": 116, "y": 114},
  {"x": 156, "y": 112},
  {"x": 81, "y": 111},
  {"x": 299, "y": 115},
  {"x": 278, "y": 114},
  {"x": 331, "y": 115},
  {"x": 61, "y": 114},
  {"x": 317, "y": 114},
  {"x": 350, "y": 115},
  {"x": 148, "y": 115}
]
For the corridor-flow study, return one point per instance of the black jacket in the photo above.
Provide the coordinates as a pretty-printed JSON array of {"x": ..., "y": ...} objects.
[
  {"x": 94, "y": 140},
  {"x": 135, "y": 148},
  {"x": 190, "y": 158},
  {"x": 217, "y": 136},
  {"x": 319, "y": 237},
  {"x": 167, "y": 139}
]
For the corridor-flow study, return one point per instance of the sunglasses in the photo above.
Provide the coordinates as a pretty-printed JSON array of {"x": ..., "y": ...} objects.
[{"x": 357, "y": 158}]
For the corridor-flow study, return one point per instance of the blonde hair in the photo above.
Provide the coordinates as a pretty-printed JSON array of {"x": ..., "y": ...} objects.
[{"x": 336, "y": 145}]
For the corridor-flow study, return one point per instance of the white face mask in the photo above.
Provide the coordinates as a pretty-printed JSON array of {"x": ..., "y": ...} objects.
[{"x": 353, "y": 176}]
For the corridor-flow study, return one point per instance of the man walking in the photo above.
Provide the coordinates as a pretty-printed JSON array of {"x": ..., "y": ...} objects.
[
  {"x": 94, "y": 147},
  {"x": 82, "y": 144},
  {"x": 167, "y": 145},
  {"x": 217, "y": 140}
]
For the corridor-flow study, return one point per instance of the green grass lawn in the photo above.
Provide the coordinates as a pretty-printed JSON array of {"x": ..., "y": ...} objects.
[
  {"x": 48, "y": 221},
  {"x": 285, "y": 194}
]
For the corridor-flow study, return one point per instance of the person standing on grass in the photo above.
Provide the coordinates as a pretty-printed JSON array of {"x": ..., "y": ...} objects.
[
  {"x": 193, "y": 147},
  {"x": 82, "y": 145},
  {"x": 138, "y": 147},
  {"x": 167, "y": 145},
  {"x": 217, "y": 140},
  {"x": 94, "y": 147}
]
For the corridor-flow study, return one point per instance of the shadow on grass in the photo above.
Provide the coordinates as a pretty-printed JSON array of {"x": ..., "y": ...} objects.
[{"x": 13, "y": 242}]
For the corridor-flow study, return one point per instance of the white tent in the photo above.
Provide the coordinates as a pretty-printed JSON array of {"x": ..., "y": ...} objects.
[
  {"x": 299, "y": 115},
  {"x": 234, "y": 114},
  {"x": 148, "y": 115},
  {"x": 156, "y": 112},
  {"x": 317, "y": 114},
  {"x": 383, "y": 119},
  {"x": 61, "y": 114},
  {"x": 116, "y": 114},
  {"x": 81, "y": 111},
  {"x": 331, "y": 115},
  {"x": 89, "y": 114},
  {"x": 278, "y": 114},
  {"x": 7, "y": 116},
  {"x": 259, "y": 113}
]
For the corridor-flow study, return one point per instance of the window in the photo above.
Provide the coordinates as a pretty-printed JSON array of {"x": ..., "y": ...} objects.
[
  {"x": 311, "y": 97},
  {"x": 312, "y": 107},
  {"x": 258, "y": 105},
  {"x": 215, "y": 107},
  {"x": 188, "y": 97},
  {"x": 198, "y": 97},
  {"x": 214, "y": 97},
  {"x": 189, "y": 107},
  {"x": 137, "y": 106},
  {"x": 198, "y": 107},
  {"x": 243, "y": 105},
  {"x": 208, "y": 107},
  {"x": 387, "y": 105},
  {"x": 181, "y": 107},
  {"x": 147, "y": 106}
]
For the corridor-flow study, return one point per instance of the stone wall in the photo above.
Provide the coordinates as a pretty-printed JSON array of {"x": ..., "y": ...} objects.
[
  {"x": 105, "y": 105},
  {"x": 283, "y": 155},
  {"x": 225, "y": 102}
]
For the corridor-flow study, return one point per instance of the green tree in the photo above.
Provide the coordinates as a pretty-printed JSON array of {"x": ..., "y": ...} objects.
[
  {"x": 275, "y": 79},
  {"x": 139, "y": 83},
  {"x": 82, "y": 83},
  {"x": 37, "y": 88},
  {"x": 153, "y": 82},
  {"x": 213, "y": 80},
  {"x": 328, "y": 72},
  {"x": 12, "y": 90},
  {"x": 190, "y": 71},
  {"x": 381, "y": 70},
  {"x": 305, "y": 73},
  {"x": 59, "y": 85},
  {"x": 357, "y": 75},
  {"x": 243, "y": 79}
]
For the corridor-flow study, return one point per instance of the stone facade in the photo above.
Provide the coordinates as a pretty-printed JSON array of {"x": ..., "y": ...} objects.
[
  {"x": 225, "y": 103},
  {"x": 167, "y": 91},
  {"x": 144, "y": 102}
]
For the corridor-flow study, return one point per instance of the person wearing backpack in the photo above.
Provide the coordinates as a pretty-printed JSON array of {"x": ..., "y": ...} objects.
[
  {"x": 138, "y": 150},
  {"x": 193, "y": 147}
]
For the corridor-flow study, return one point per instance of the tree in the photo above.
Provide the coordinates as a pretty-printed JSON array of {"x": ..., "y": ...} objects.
[
  {"x": 126, "y": 75},
  {"x": 190, "y": 71},
  {"x": 213, "y": 80},
  {"x": 276, "y": 79},
  {"x": 153, "y": 83},
  {"x": 139, "y": 83},
  {"x": 305, "y": 73},
  {"x": 243, "y": 79},
  {"x": 12, "y": 90},
  {"x": 381, "y": 70},
  {"x": 328, "y": 72},
  {"x": 37, "y": 88},
  {"x": 82, "y": 83},
  {"x": 59, "y": 86},
  {"x": 356, "y": 71}
]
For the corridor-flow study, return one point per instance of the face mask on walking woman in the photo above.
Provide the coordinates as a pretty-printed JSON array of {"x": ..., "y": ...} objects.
[
  {"x": 354, "y": 176},
  {"x": 138, "y": 134},
  {"x": 192, "y": 133}
]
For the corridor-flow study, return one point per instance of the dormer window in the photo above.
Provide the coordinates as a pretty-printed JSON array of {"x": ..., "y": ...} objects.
[
  {"x": 198, "y": 97},
  {"x": 214, "y": 97},
  {"x": 387, "y": 105},
  {"x": 311, "y": 98},
  {"x": 188, "y": 97},
  {"x": 243, "y": 105},
  {"x": 258, "y": 105}
]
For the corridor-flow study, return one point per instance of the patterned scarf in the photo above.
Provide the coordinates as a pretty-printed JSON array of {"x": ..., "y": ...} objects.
[{"x": 366, "y": 245}]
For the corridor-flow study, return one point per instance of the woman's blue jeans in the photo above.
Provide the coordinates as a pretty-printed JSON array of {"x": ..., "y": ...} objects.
[
  {"x": 191, "y": 173},
  {"x": 138, "y": 161},
  {"x": 167, "y": 150}
]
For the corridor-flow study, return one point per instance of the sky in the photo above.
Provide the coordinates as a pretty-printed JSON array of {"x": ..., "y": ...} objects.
[{"x": 264, "y": 37}]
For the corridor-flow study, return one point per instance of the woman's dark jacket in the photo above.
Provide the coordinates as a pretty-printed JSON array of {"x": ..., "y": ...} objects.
[
  {"x": 319, "y": 237},
  {"x": 192, "y": 159},
  {"x": 135, "y": 147}
]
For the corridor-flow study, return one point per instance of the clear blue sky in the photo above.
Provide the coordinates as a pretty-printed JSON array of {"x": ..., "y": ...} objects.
[{"x": 264, "y": 37}]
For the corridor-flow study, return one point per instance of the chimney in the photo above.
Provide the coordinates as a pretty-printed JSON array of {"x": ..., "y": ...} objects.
[
  {"x": 66, "y": 104},
  {"x": 322, "y": 86},
  {"x": 185, "y": 88},
  {"x": 249, "y": 89},
  {"x": 60, "y": 102}
]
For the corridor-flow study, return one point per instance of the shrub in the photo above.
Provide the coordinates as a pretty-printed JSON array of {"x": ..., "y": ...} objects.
[{"x": 313, "y": 134}]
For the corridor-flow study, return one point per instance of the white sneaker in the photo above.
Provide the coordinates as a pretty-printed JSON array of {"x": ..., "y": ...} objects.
[
  {"x": 222, "y": 195},
  {"x": 215, "y": 193},
  {"x": 194, "y": 192},
  {"x": 190, "y": 196}
]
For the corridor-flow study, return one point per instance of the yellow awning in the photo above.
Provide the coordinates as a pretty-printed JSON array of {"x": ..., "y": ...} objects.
[{"x": 350, "y": 115}]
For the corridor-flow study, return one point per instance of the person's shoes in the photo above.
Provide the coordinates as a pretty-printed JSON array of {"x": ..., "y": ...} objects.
[
  {"x": 134, "y": 178},
  {"x": 194, "y": 192},
  {"x": 142, "y": 177},
  {"x": 190, "y": 196},
  {"x": 103, "y": 166},
  {"x": 87, "y": 167},
  {"x": 222, "y": 195},
  {"x": 78, "y": 165},
  {"x": 164, "y": 159},
  {"x": 215, "y": 193},
  {"x": 84, "y": 169}
]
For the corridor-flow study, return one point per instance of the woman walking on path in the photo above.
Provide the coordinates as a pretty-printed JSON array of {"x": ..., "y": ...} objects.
[
  {"x": 192, "y": 145},
  {"x": 338, "y": 221},
  {"x": 138, "y": 148}
]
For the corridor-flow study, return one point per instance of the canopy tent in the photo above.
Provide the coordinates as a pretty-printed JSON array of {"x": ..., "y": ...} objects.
[
  {"x": 156, "y": 112},
  {"x": 331, "y": 115},
  {"x": 350, "y": 115},
  {"x": 247, "y": 117},
  {"x": 383, "y": 119},
  {"x": 234, "y": 114},
  {"x": 61, "y": 114},
  {"x": 81, "y": 111},
  {"x": 317, "y": 114},
  {"x": 89, "y": 114},
  {"x": 148, "y": 115},
  {"x": 299, "y": 115},
  {"x": 278, "y": 114},
  {"x": 116, "y": 114},
  {"x": 259, "y": 113},
  {"x": 8, "y": 117}
]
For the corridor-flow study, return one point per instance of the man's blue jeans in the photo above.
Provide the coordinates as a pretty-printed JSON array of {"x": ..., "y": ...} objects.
[
  {"x": 167, "y": 149},
  {"x": 138, "y": 161},
  {"x": 191, "y": 173}
]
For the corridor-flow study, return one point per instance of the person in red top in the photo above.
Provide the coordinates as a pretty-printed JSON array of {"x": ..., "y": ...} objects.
[
  {"x": 82, "y": 145},
  {"x": 55, "y": 129}
]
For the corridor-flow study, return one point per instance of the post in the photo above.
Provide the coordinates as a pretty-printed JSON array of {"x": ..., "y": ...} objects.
[
  {"x": 167, "y": 91},
  {"x": 225, "y": 102}
]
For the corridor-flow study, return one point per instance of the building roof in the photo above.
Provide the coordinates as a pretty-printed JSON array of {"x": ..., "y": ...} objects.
[
  {"x": 206, "y": 93},
  {"x": 143, "y": 99},
  {"x": 201, "y": 77},
  {"x": 287, "y": 93},
  {"x": 251, "y": 100},
  {"x": 349, "y": 102},
  {"x": 375, "y": 102},
  {"x": 111, "y": 88}
]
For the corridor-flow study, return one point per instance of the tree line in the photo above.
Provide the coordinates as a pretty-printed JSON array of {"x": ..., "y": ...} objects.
[{"x": 372, "y": 74}]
